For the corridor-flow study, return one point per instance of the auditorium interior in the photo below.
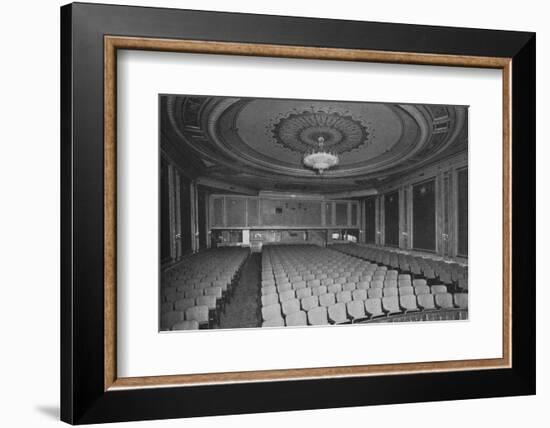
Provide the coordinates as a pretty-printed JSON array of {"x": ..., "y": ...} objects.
[{"x": 288, "y": 212}]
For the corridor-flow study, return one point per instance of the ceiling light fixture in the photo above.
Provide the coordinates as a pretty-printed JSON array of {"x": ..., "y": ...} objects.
[{"x": 320, "y": 160}]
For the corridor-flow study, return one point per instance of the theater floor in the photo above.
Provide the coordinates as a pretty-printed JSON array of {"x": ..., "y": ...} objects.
[{"x": 242, "y": 311}]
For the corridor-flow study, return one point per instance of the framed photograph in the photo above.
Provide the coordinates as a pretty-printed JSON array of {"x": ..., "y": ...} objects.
[{"x": 266, "y": 213}]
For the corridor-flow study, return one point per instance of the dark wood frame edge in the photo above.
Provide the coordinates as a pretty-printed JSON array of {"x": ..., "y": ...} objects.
[{"x": 83, "y": 395}]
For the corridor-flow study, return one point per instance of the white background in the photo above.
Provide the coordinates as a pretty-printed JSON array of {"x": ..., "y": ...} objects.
[
  {"x": 29, "y": 231},
  {"x": 144, "y": 352}
]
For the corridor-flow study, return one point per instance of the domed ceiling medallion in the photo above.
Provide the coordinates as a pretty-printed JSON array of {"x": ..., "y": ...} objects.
[{"x": 302, "y": 131}]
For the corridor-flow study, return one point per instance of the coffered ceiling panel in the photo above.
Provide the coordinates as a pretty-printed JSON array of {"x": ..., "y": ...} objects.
[{"x": 260, "y": 143}]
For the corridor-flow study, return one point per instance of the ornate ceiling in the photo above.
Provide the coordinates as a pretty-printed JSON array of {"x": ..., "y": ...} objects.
[{"x": 259, "y": 143}]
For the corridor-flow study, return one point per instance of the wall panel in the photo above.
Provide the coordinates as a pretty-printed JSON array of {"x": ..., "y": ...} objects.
[
  {"x": 164, "y": 212},
  {"x": 252, "y": 211},
  {"x": 217, "y": 212},
  {"x": 462, "y": 212},
  {"x": 391, "y": 219},
  {"x": 370, "y": 220},
  {"x": 341, "y": 214},
  {"x": 248, "y": 211},
  {"x": 235, "y": 212},
  {"x": 328, "y": 214},
  {"x": 424, "y": 216}
]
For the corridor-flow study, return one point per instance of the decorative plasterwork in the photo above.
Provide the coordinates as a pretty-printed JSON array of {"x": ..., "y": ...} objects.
[
  {"x": 260, "y": 142},
  {"x": 300, "y": 131}
]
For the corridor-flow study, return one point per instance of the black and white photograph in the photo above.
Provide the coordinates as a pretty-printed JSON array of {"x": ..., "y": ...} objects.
[{"x": 299, "y": 212}]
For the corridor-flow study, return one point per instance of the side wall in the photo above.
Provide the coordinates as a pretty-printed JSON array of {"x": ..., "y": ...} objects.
[{"x": 427, "y": 208}]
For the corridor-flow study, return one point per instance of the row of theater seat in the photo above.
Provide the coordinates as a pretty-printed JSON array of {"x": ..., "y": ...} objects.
[
  {"x": 196, "y": 290},
  {"x": 270, "y": 294},
  {"x": 300, "y": 279},
  {"x": 446, "y": 272},
  {"x": 313, "y": 311}
]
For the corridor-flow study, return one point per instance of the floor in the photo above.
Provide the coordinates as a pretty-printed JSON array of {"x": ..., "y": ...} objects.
[{"x": 242, "y": 310}]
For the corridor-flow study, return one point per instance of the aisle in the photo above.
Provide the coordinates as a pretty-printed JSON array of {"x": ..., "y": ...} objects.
[{"x": 242, "y": 310}]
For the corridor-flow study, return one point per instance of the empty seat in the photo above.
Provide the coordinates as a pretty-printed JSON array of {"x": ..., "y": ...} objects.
[
  {"x": 408, "y": 302},
  {"x": 334, "y": 288},
  {"x": 445, "y": 277},
  {"x": 343, "y": 296},
  {"x": 461, "y": 300},
  {"x": 374, "y": 293},
  {"x": 309, "y": 302},
  {"x": 348, "y": 286},
  {"x": 213, "y": 291},
  {"x": 429, "y": 273},
  {"x": 168, "y": 319},
  {"x": 391, "y": 274},
  {"x": 270, "y": 299},
  {"x": 359, "y": 294},
  {"x": 287, "y": 295},
  {"x": 404, "y": 283},
  {"x": 313, "y": 283},
  {"x": 373, "y": 307},
  {"x": 317, "y": 316},
  {"x": 274, "y": 322},
  {"x": 391, "y": 305},
  {"x": 186, "y": 325},
  {"x": 270, "y": 289},
  {"x": 421, "y": 289},
  {"x": 284, "y": 287},
  {"x": 290, "y": 306},
  {"x": 363, "y": 285},
  {"x": 417, "y": 282},
  {"x": 356, "y": 310},
  {"x": 299, "y": 284},
  {"x": 191, "y": 294},
  {"x": 199, "y": 314},
  {"x": 439, "y": 289},
  {"x": 404, "y": 277},
  {"x": 390, "y": 283},
  {"x": 296, "y": 319},
  {"x": 203, "y": 285},
  {"x": 303, "y": 292},
  {"x": 327, "y": 299},
  {"x": 444, "y": 300},
  {"x": 317, "y": 291},
  {"x": 327, "y": 281},
  {"x": 209, "y": 301},
  {"x": 388, "y": 292},
  {"x": 426, "y": 301},
  {"x": 405, "y": 291},
  {"x": 338, "y": 314},
  {"x": 271, "y": 311},
  {"x": 376, "y": 284},
  {"x": 184, "y": 304}
]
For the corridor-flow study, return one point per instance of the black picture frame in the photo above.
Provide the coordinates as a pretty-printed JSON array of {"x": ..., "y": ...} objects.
[{"x": 83, "y": 396}]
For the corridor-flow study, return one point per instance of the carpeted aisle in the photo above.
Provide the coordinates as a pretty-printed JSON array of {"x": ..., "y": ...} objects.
[{"x": 242, "y": 310}]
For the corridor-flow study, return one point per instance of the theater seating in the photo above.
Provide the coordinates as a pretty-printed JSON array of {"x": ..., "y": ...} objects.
[
  {"x": 199, "y": 284},
  {"x": 317, "y": 316},
  {"x": 186, "y": 325},
  {"x": 311, "y": 285},
  {"x": 428, "y": 268}
]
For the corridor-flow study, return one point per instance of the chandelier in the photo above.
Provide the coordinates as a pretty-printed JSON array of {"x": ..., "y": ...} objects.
[{"x": 319, "y": 159}]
